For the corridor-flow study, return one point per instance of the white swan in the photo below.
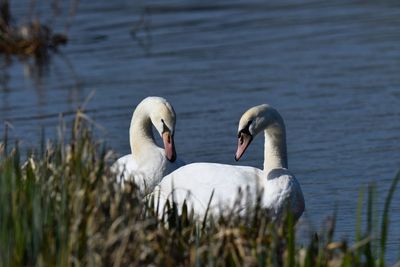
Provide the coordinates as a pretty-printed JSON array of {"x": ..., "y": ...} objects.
[
  {"x": 148, "y": 163},
  {"x": 196, "y": 182}
]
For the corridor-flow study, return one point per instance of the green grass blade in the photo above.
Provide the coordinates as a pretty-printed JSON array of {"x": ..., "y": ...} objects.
[{"x": 385, "y": 219}]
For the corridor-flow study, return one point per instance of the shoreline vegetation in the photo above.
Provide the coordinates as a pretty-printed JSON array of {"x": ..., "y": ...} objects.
[
  {"x": 33, "y": 38},
  {"x": 60, "y": 207}
]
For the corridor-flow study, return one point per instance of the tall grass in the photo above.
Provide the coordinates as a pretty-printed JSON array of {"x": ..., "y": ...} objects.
[{"x": 61, "y": 207}]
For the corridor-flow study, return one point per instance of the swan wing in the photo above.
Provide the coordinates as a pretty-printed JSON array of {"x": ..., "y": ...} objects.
[
  {"x": 282, "y": 189},
  {"x": 197, "y": 182}
]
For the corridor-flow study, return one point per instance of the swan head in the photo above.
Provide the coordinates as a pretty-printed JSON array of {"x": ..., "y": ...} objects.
[
  {"x": 252, "y": 122},
  {"x": 162, "y": 116}
]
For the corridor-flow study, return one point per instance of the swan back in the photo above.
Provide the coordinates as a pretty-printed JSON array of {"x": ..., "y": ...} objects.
[{"x": 194, "y": 184}]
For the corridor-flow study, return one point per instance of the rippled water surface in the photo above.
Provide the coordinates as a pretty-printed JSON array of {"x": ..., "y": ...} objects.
[{"x": 330, "y": 68}]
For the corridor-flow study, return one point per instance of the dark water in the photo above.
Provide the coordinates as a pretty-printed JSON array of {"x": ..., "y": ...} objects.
[{"x": 331, "y": 69}]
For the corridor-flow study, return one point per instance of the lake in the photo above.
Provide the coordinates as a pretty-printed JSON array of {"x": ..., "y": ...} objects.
[{"x": 330, "y": 68}]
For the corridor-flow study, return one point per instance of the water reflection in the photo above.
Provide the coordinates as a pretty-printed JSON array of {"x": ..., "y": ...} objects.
[{"x": 141, "y": 31}]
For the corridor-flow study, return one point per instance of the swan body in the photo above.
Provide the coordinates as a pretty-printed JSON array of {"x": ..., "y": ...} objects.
[
  {"x": 196, "y": 182},
  {"x": 148, "y": 163}
]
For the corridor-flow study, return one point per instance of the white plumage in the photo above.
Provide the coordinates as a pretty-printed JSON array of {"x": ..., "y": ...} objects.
[
  {"x": 196, "y": 182},
  {"x": 148, "y": 163}
]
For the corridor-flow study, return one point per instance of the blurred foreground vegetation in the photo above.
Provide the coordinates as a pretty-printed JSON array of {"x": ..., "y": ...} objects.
[{"x": 61, "y": 207}]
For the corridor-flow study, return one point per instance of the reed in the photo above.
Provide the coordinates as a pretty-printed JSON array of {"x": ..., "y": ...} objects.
[
  {"x": 61, "y": 207},
  {"x": 33, "y": 38}
]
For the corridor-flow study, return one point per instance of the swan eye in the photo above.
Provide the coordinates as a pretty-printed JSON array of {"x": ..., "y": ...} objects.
[{"x": 245, "y": 130}]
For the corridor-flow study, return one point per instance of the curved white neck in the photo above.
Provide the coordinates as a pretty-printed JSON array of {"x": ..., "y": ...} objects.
[
  {"x": 140, "y": 133},
  {"x": 275, "y": 155}
]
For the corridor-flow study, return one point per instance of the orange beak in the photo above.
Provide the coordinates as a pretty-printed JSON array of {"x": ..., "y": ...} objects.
[
  {"x": 169, "y": 146},
  {"x": 243, "y": 142}
]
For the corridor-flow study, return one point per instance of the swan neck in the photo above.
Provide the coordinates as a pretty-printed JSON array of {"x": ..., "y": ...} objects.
[
  {"x": 275, "y": 155},
  {"x": 140, "y": 132}
]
